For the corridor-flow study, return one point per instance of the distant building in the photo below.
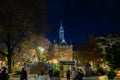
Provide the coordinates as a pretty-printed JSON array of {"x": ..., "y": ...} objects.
[{"x": 62, "y": 51}]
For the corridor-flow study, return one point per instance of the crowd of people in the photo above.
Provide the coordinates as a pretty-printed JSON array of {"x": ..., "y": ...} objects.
[
  {"x": 74, "y": 74},
  {"x": 24, "y": 73}
]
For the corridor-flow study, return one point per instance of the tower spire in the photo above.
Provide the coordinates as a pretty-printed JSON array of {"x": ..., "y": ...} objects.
[
  {"x": 60, "y": 23},
  {"x": 61, "y": 34}
]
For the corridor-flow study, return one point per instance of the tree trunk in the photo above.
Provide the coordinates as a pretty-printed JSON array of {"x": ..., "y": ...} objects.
[
  {"x": 9, "y": 61},
  {"x": 9, "y": 64},
  {"x": 13, "y": 65}
]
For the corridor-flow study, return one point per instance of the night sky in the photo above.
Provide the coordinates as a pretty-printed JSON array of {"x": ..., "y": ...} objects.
[{"x": 81, "y": 17}]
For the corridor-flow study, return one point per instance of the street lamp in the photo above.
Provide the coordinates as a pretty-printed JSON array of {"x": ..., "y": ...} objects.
[{"x": 40, "y": 50}]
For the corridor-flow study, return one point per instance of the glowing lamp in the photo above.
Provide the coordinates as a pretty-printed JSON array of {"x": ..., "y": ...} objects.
[
  {"x": 118, "y": 73},
  {"x": 55, "y": 61}
]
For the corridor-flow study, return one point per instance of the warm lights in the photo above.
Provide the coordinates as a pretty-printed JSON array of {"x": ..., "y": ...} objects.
[
  {"x": 118, "y": 73},
  {"x": 55, "y": 61},
  {"x": 41, "y": 49}
]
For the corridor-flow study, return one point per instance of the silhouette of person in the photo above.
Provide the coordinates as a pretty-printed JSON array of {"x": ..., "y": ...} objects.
[
  {"x": 23, "y": 74},
  {"x": 74, "y": 74},
  {"x": 68, "y": 74},
  {"x": 50, "y": 72},
  {"x": 41, "y": 71},
  {"x": 80, "y": 75},
  {"x": 3, "y": 74}
]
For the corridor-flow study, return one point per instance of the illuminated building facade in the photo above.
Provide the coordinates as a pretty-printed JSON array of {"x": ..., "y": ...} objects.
[{"x": 61, "y": 49}]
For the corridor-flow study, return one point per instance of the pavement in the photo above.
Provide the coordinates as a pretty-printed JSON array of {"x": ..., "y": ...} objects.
[
  {"x": 54, "y": 78},
  {"x": 57, "y": 78},
  {"x": 17, "y": 77}
]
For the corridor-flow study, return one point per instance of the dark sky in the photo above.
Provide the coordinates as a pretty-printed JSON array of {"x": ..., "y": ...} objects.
[{"x": 81, "y": 17}]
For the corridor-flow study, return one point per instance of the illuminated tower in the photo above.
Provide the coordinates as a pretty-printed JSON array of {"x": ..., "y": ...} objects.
[
  {"x": 61, "y": 32},
  {"x": 62, "y": 50},
  {"x": 61, "y": 35}
]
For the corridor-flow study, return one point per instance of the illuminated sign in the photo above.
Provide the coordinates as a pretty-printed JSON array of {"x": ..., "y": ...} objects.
[{"x": 67, "y": 62}]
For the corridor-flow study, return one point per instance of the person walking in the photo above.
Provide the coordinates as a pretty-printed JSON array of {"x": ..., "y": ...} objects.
[
  {"x": 50, "y": 73},
  {"x": 80, "y": 75},
  {"x": 68, "y": 74},
  {"x": 23, "y": 74},
  {"x": 41, "y": 71},
  {"x": 74, "y": 74},
  {"x": 4, "y": 75}
]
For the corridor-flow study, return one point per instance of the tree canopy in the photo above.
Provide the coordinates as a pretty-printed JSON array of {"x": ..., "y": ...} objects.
[
  {"x": 89, "y": 51},
  {"x": 18, "y": 17},
  {"x": 112, "y": 48}
]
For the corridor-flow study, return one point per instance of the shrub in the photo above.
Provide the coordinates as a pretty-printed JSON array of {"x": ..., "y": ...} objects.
[
  {"x": 56, "y": 73},
  {"x": 17, "y": 72},
  {"x": 100, "y": 72}
]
